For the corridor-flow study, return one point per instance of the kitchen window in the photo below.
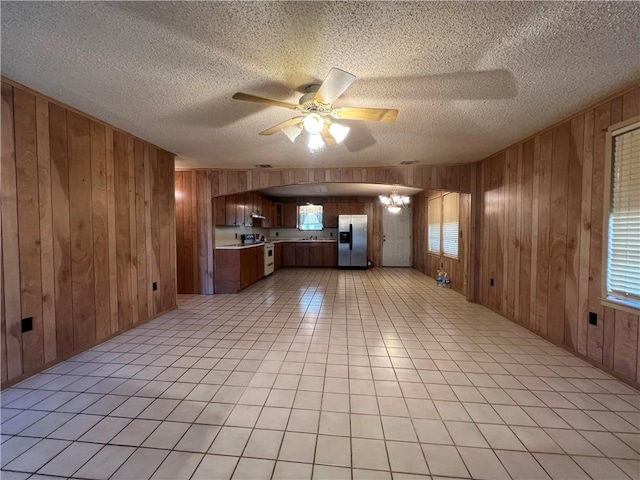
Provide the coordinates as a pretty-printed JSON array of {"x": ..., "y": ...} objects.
[
  {"x": 443, "y": 213},
  {"x": 310, "y": 217},
  {"x": 621, "y": 262}
]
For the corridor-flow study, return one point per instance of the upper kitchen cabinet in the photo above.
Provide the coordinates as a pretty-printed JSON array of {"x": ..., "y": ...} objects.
[
  {"x": 330, "y": 215},
  {"x": 220, "y": 211},
  {"x": 290, "y": 215},
  {"x": 230, "y": 210}
]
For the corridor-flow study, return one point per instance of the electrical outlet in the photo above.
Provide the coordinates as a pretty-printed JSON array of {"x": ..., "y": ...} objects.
[
  {"x": 27, "y": 324},
  {"x": 593, "y": 318},
  {"x": 154, "y": 286},
  {"x": 491, "y": 282}
]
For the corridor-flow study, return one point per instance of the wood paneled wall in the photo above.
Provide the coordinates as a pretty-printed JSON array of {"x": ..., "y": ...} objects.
[
  {"x": 540, "y": 230},
  {"x": 86, "y": 227},
  {"x": 194, "y": 232},
  {"x": 428, "y": 263},
  {"x": 206, "y": 183}
]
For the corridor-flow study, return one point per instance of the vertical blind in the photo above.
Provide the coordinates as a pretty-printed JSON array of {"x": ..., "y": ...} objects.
[
  {"x": 623, "y": 252},
  {"x": 434, "y": 213},
  {"x": 450, "y": 224}
]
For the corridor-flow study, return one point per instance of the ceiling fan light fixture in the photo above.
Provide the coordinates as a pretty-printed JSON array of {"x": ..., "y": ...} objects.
[
  {"x": 292, "y": 132},
  {"x": 316, "y": 143},
  {"x": 338, "y": 132},
  {"x": 313, "y": 123}
]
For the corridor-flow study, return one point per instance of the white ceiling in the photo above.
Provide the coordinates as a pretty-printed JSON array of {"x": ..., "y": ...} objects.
[
  {"x": 337, "y": 190},
  {"x": 469, "y": 78}
]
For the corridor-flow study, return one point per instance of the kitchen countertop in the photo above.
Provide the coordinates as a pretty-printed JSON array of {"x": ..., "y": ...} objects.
[{"x": 239, "y": 246}]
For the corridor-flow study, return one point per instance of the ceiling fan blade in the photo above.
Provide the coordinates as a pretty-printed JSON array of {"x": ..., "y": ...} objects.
[
  {"x": 280, "y": 126},
  {"x": 334, "y": 85},
  {"x": 368, "y": 114},
  {"x": 328, "y": 138},
  {"x": 267, "y": 101}
]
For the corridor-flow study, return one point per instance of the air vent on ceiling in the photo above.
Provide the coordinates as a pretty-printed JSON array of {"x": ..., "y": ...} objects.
[
  {"x": 264, "y": 165},
  {"x": 409, "y": 162}
]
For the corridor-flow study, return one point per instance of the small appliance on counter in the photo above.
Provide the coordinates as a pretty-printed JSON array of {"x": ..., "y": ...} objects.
[{"x": 248, "y": 239}]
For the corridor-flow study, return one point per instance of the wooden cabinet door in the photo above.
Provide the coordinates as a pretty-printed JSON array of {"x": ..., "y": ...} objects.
[
  {"x": 230, "y": 210},
  {"x": 259, "y": 262},
  {"x": 277, "y": 253},
  {"x": 302, "y": 255},
  {"x": 315, "y": 255},
  {"x": 329, "y": 255},
  {"x": 253, "y": 265},
  {"x": 240, "y": 209},
  {"x": 344, "y": 209},
  {"x": 220, "y": 211},
  {"x": 249, "y": 199},
  {"x": 279, "y": 217},
  {"x": 357, "y": 208},
  {"x": 330, "y": 215},
  {"x": 290, "y": 215},
  {"x": 245, "y": 268},
  {"x": 288, "y": 255}
]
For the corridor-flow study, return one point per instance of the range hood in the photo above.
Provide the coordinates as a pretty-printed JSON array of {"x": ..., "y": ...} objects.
[{"x": 257, "y": 215}]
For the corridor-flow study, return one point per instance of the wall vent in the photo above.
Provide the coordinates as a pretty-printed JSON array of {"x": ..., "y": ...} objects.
[
  {"x": 409, "y": 162},
  {"x": 264, "y": 165}
]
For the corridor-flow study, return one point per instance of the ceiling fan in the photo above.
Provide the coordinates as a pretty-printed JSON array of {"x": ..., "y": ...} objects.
[{"x": 318, "y": 113}]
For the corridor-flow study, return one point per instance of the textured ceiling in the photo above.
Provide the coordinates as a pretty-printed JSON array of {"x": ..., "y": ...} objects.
[{"x": 467, "y": 78}]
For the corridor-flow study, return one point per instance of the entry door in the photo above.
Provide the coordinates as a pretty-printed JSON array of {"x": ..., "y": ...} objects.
[{"x": 396, "y": 251}]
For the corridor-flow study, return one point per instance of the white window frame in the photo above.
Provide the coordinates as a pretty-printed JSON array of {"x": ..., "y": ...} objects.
[
  {"x": 321, "y": 226},
  {"x": 631, "y": 305},
  {"x": 441, "y": 253}
]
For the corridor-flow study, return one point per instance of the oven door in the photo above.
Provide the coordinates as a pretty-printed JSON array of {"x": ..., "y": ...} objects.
[{"x": 269, "y": 260}]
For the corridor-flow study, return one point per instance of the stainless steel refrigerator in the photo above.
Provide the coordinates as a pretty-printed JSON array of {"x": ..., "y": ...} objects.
[{"x": 352, "y": 241}]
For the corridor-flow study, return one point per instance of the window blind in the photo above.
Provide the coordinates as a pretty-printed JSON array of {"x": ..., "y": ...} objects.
[
  {"x": 434, "y": 212},
  {"x": 623, "y": 262},
  {"x": 450, "y": 224}
]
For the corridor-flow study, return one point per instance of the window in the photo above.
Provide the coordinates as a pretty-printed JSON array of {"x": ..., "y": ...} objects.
[
  {"x": 622, "y": 254},
  {"x": 310, "y": 217},
  {"x": 444, "y": 224},
  {"x": 435, "y": 220}
]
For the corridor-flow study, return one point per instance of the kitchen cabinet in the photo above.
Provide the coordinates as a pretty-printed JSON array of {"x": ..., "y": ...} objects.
[
  {"x": 220, "y": 211},
  {"x": 236, "y": 269},
  {"x": 315, "y": 256},
  {"x": 249, "y": 201},
  {"x": 290, "y": 215},
  {"x": 356, "y": 208},
  {"x": 279, "y": 218},
  {"x": 277, "y": 253},
  {"x": 266, "y": 211},
  {"x": 288, "y": 254},
  {"x": 330, "y": 215},
  {"x": 302, "y": 254},
  {"x": 230, "y": 210},
  {"x": 241, "y": 210},
  {"x": 306, "y": 254}
]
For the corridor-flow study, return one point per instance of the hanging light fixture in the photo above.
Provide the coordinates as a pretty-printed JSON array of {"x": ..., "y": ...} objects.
[{"x": 394, "y": 203}]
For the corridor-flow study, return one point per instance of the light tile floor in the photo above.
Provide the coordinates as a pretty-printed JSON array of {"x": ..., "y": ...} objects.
[{"x": 326, "y": 375}]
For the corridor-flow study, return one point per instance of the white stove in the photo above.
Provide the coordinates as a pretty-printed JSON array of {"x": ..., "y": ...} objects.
[{"x": 269, "y": 259}]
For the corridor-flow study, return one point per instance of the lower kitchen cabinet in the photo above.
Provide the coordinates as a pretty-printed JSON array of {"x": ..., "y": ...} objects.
[
  {"x": 307, "y": 254},
  {"x": 277, "y": 253},
  {"x": 236, "y": 269},
  {"x": 329, "y": 255},
  {"x": 288, "y": 254}
]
